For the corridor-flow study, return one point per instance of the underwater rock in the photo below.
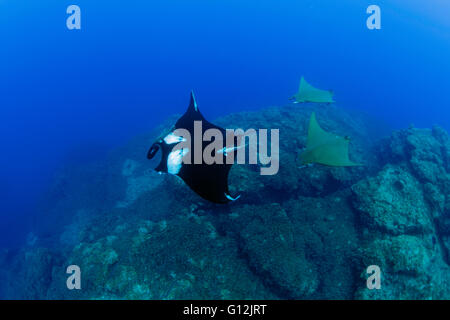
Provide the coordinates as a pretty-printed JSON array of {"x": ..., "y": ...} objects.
[
  {"x": 399, "y": 254},
  {"x": 296, "y": 246},
  {"x": 324, "y": 230},
  {"x": 392, "y": 202},
  {"x": 425, "y": 151},
  {"x": 406, "y": 204},
  {"x": 95, "y": 259},
  {"x": 129, "y": 167},
  {"x": 268, "y": 242},
  {"x": 76, "y": 232},
  {"x": 139, "y": 185},
  {"x": 31, "y": 273},
  {"x": 186, "y": 257},
  {"x": 411, "y": 266},
  {"x": 180, "y": 258},
  {"x": 435, "y": 199}
]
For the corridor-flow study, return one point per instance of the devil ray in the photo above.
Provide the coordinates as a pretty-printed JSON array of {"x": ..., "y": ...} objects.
[{"x": 210, "y": 181}]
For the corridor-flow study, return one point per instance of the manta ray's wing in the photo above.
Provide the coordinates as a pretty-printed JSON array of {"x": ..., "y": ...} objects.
[
  {"x": 308, "y": 93},
  {"x": 333, "y": 153},
  {"x": 325, "y": 148},
  {"x": 316, "y": 135},
  {"x": 210, "y": 181}
]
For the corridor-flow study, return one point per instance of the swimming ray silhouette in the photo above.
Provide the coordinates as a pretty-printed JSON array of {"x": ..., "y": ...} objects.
[
  {"x": 325, "y": 148},
  {"x": 308, "y": 93}
]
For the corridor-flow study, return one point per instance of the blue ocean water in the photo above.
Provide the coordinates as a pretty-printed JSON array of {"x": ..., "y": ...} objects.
[{"x": 70, "y": 96}]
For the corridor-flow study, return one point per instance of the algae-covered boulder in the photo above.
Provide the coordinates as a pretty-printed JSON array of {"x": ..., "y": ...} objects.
[
  {"x": 399, "y": 254},
  {"x": 187, "y": 257},
  {"x": 403, "y": 208},
  {"x": 297, "y": 248},
  {"x": 180, "y": 258},
  {"x": 392, "y": 201},
  {"x": 411, "y": 268},
  {"x": 268, "y": 241},
  {"x": 425, "y": 151},
  {"x": 324, "y": 230}
]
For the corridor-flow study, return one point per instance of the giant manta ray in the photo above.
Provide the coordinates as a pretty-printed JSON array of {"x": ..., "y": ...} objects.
[{"x": 210, "y": 181}]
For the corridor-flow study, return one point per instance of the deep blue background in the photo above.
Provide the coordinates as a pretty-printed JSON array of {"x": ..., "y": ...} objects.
[{"x": 74, "y": 95}]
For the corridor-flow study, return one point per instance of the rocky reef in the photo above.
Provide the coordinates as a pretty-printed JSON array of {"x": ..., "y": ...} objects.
[
  {"x": 404, "y": 211},
  {"x": 305, "y": 233}
]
